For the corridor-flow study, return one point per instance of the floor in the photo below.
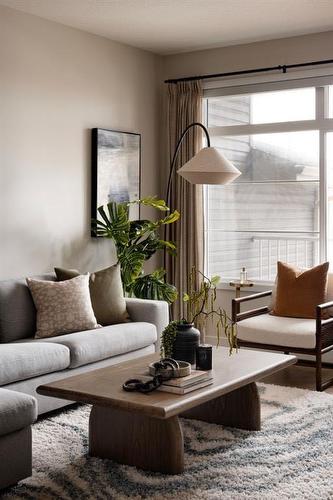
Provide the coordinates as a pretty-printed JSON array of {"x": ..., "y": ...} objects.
[{"x": 298, "y": 376}]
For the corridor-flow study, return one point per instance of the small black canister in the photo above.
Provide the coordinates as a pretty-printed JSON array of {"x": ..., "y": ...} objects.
[{"x": 204, "y": 354}]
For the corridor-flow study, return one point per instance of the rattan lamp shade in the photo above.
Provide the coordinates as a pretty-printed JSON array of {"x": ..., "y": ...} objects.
[{"x": 209, "y": 166}]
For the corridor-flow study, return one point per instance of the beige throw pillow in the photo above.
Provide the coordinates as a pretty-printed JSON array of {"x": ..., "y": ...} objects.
[
  {"x": 299, "y": 291},
  {"x": 106, "y": 292},
  {"x": 63, "y": 307}
]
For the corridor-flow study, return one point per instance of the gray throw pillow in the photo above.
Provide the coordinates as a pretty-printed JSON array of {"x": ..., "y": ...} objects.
[
  {"x": 63, "y": 307},
  {"x": 106, "y": 292}
]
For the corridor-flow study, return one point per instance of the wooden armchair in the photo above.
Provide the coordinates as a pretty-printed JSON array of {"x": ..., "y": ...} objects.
[{"x": 258, "y": 329}]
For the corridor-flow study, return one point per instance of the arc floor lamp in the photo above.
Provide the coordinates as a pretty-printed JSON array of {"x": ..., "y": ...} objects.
[{"x": 208, "y": 166}]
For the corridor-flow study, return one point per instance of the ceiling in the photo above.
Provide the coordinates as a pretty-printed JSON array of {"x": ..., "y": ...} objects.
[{"x": 171, "y": 26}]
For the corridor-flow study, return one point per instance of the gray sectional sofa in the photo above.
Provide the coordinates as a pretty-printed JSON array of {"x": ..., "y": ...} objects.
[
  {"x": 17, "y": 412},
  {"x": 26, "y": 362}
]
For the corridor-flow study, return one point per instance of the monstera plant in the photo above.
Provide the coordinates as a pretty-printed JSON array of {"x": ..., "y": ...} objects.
[{"x": 136, "y": 241}]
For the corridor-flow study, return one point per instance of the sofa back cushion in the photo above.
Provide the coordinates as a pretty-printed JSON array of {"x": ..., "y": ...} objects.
[{"x": 17, "y": 309}]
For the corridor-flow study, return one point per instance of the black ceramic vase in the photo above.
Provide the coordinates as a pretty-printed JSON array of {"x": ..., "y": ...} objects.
[{"x": 185, "y": 344}]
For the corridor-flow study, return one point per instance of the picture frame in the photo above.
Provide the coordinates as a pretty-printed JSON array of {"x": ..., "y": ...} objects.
[{"x": 116, "y": 169}]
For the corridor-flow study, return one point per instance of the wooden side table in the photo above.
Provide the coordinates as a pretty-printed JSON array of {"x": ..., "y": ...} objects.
[{"x": 238, "y": 285}]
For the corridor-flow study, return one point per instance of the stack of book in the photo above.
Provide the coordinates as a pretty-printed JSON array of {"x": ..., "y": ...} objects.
[{"x": 196, "y": 380}]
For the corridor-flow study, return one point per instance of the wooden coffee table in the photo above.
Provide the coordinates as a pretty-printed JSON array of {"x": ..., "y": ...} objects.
[{"x": 144, "y": 429}]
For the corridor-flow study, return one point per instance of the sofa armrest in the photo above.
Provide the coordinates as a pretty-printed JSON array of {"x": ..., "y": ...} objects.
[{"x": 151, "y": 311}]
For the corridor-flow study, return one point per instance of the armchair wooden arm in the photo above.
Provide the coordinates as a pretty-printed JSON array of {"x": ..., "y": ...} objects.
[
  {"x": 322, "y": 307},
  {"x": 238, "y": 316},
  {"x": 324, "y": 326}
]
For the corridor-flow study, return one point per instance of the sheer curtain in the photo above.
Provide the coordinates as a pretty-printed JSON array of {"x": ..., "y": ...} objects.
[{"x": 184, "y": 108}]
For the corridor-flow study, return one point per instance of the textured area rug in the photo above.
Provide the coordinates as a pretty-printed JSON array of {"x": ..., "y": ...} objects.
[{"x": 292, "y": 457}]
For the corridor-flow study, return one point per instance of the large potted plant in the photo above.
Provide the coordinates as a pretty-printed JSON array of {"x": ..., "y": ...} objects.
[
  {"x": 136, "y": 241},
  {"x": 181, "y": 337}
]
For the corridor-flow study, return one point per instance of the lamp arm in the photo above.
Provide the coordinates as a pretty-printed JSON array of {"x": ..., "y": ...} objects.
[
  {"x": 179, "y": 143},
  {"x": 172, "y": 167}
]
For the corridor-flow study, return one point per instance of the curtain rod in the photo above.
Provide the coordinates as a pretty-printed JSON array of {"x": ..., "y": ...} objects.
[{"x": 280, "y": 67}]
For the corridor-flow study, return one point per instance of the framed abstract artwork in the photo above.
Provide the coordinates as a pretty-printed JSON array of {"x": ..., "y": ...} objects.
[{"x": 116, "y": 169}]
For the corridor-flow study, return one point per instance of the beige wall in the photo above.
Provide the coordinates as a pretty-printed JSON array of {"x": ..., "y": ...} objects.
[
  {"x": 254, "y": 55},
  {"x": 56, "y": 83}
]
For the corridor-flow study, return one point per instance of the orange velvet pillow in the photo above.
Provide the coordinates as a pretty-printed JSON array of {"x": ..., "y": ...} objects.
[{"x": 298, "y": 292}]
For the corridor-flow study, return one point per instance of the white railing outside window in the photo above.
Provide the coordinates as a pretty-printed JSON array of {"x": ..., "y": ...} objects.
[{"x": 301, "y": 251}]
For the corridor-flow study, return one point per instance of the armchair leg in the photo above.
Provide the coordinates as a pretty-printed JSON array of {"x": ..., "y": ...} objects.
[{"x": 319, "y": 386}]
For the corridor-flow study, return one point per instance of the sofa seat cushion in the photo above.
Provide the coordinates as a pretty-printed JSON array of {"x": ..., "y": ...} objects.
[
  {"x": 94, "y": 345},
  {"x": 277, "y": 330},
  {"x": 17, "y": 411},
  {"x": 23, "y": 360}
]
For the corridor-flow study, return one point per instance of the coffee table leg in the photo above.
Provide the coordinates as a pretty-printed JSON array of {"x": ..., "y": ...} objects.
[
  {"x": 135, "y": 439},
  {"x": 240, "y": 408}
]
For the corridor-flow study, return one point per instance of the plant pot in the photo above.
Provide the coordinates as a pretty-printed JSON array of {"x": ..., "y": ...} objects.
[{"x": 185, "y": 344}]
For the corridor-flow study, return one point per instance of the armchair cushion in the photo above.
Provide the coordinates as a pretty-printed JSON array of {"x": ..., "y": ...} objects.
[
  {"x": 278, "y": 330},
  {"x": 328, "y": 298},
  {"x": 299, "y": 291}
]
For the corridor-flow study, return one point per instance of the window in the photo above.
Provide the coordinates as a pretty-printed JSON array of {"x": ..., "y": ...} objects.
[{"x": 281, "y": 207}]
